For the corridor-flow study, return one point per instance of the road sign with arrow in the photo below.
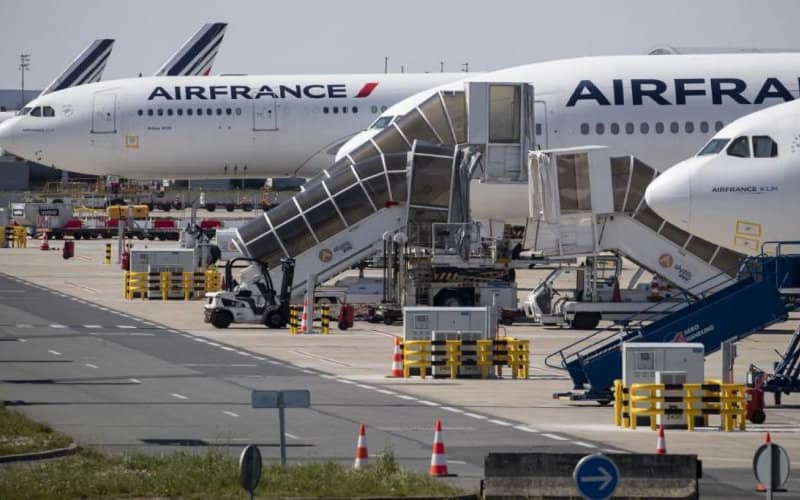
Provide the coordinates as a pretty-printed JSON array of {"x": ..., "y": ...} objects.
[{"x": 596, "y": 477}]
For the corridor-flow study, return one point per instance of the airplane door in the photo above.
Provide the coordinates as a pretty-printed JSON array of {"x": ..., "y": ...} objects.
[
  {"x": 104, "y": 114},
  {"x": 541, "y": 131},
  {"x": 265, "y": 115}
]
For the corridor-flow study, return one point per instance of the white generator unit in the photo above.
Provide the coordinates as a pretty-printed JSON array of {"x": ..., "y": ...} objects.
[
  {"x": 420, "y": 322},
  {"x": 157, "y": 260},
  {"x": 48, "y": 215},
  {"x": 641, "y": 361}
]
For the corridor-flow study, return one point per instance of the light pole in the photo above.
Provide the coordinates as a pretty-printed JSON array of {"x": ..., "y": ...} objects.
[
  {"x": 441, "y": 66},
  {"x": 386, "y": 64},
  {"x": 465, "y": 67},
  {"x": 24, "y": 65}
]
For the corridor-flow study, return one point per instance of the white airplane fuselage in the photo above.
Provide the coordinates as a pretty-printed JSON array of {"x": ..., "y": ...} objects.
[{"x": 739, "y": 202}]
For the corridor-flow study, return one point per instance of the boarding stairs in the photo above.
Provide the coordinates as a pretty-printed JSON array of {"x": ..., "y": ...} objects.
[{"x": 766, "y": 289}]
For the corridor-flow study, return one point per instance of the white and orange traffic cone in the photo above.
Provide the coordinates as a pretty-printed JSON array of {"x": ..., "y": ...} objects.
[
  {"x": 44, "y": 245},
  {"x": 304, "y": 317},
  {"x": 362, "y": 455},
  {"x": 438, "y": 456},
  {"x": 397, "y": 360},
  {"x": 661, "y": 444},
  {"x": 761, "y": 487}
]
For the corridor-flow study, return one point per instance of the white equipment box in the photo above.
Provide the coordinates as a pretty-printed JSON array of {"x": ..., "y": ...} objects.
[
  {"x": 3, "y": 217},
  {"x": 158, "y": 260},
  {"x": 641, "y": 361},
  {"x": 50, "y": 215},
  {"x": 420, "y": 322}
]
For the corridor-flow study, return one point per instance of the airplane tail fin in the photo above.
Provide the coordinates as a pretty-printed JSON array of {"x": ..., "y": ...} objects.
[
  {"x": 86, "y": 68},
  {"x": 197, "y": 55}
]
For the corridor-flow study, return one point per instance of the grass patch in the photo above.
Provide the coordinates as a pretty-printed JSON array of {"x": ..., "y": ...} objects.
[
  {"x": 210, "y": 475},
  {"x": 19, "y": 434}
]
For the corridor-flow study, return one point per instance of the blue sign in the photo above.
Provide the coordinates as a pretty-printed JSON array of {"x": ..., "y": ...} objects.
[{"x": 596, "y": 477}]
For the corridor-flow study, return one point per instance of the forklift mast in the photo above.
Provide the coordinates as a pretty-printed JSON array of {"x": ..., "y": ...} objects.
[{"x": 285, "y": 295}]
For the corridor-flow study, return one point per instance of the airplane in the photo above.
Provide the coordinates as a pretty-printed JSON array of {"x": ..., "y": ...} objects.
[
  {"x": 659, "y": 109},
  {"x": 741, "y": 189},
  {"x": 197, "y": 54}
]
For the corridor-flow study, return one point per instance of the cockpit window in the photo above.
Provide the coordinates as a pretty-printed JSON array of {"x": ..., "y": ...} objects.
[
  {"x": 24, "y": 111},
  {"x": 740, "y": 147},
  {"x": 764, "y": 147},
  {"x": 382, "y": 122},
  {"x": 713, "y": 147},
  {"x": 37, "y": 111},
  {"x": 48, "y": 111}
]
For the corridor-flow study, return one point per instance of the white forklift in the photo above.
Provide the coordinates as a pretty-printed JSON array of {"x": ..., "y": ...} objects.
[{"x": 254, "y": 299}]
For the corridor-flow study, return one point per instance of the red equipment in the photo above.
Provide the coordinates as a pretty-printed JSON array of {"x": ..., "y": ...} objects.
[
  {"x": 347, "y": 315},
  {"x": 754, "y": 395},
  {"x": 68, "y": 251}
]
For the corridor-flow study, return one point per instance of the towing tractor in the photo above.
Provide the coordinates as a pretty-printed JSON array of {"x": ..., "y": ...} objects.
[{"x": 253, "y": 299}]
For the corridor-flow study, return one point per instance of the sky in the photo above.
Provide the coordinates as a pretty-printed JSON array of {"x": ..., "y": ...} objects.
[{"x": 354, "y": 36}]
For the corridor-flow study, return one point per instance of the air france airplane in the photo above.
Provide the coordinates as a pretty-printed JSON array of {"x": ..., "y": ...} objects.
[
  {"x": 657, "y": 108},
  {"x": 743, "y": 187}
]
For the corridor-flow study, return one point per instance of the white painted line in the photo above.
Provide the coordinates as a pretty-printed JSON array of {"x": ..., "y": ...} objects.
[
  {"x": 242, "y": 353},
  {"x": 93, "y": 327},
  {"x": 363, "y": 386},
  {"x": 325, "y": 375},
  {"x": 126, "y": 327},
  {"x": 475, "y": 415},
  {"x": 500, "y": 422},
  {"x": 524, "y": 428},
  {"x": 186, "y": 336},
  {"x": 142, "y": 334},
  {"x": 408, "y": 398},
  {"x": 231, "y": 414},
  {"x": 54, "y": 353},
  {"x": 199, "y": 339},
  {"x": 291, "y": 436},
  {"x": 310, "y": 372},
  {"x": 612, "y": 450},
  {"x": 585, "y": 445},
  {"x": 91, "y": 365},
  {"x": 24, "y": 325},
  {"x": 179, "y": 396},
  {"x": 260, "y": 358},
  {"x": 345, "y": 381},
  {"x": 173, "y": 331},
  {"x": 384, "y": 391},
  {"x": 214, "y": 344},
  {"x": 135, "y": 380},
  {"x": 451, "y": 409},
  {"x": 148, "y": 323},
  {"x": 57, "y": 326},
  {"x": 226, "y": 348},
  {"x": 428, "y": 403},
  {"x": 459, "y": 462},
  {"x": 22, "y": 340},
  {"x": 272, "y": 362},
  {"x": 554, "y": 436}
]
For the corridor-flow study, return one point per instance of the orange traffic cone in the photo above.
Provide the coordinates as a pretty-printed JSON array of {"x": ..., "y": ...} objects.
[
  {"x": 761, "y": 487},
  {"x": 661, "y": 444},
  {"x": 438, "y": 456},
  {"x": 304, "y": 319},
  {"x": 361, "y": 448},
  {"x": 397, "y": 360},
  {"x": 44, "y": 245}
]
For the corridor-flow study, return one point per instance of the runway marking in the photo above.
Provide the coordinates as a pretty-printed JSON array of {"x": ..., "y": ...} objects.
[
  {"x": 135, "y": 380},
  {"x": 148, "y": 323},
  {"x": 407, "y": 398},
  {"x": 214, "y": 344},
  {"x": 345, "y": 381},
  {"x": 363, "y": 386},
  {"x": 500, "y": 422},
  {"x": 179, "y": 396},
  {"x": 388, "y": 393},
  {"x": 173, "y": 331},
  {"x": 475, "y": 415},
  {"x": 91, "y": 365},
  {"x": 54, "y": 353},
  {"x": 273, "y": 362},
  {"x": 186, "y": 336},
  {"x": 326, "y": 376},
  {"x": 460, "y": 462},
  {"x": 428, "y": 403},
  {"x": 199, "y": 339},
  {"x": 126, "y": 327},
  {"x": 524, "y": 428},
  {"x": 242, "y": 353},
  {"x": 22, "y": 340},
  {"x": 260, "y": 358},
  {"x": 57, "y": 326},
  {"x": 231, "y": 414},
  {"x": 451, "y": 409},
  {"x": 92, "y": 326},
  {"x": 142, "y": 334},
  {"x": 585, "y": 445},
  {"x": 310, "y": 372},
  {"x": 611, "y": 450},
  {"x": 291, "y": 436},
  {"x": 554, "y": 436},
  {"x": 233, "y": 365},
  {"x": 320, "y": 358}
]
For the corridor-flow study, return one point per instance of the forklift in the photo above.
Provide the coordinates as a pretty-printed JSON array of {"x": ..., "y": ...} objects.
[{"x": 254, "y": 300}]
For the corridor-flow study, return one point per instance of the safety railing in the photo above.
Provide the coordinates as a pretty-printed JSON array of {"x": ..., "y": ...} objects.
[
  {"x": 653, "y": 401},
  {"x": 13, "y": 237},
  {"x": 296, "y": 319},
  {"x": 170, "y": 285},
  {"x": 423, "y": 357}
]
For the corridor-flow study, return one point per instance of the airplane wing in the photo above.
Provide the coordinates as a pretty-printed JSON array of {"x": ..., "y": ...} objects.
[
  {"x": 86, "y": 68},
  {"x": 197, "y": 55}
]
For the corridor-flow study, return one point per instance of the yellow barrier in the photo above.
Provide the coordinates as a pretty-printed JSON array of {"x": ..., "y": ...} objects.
[
  {"x": 135, "y": 283},
  {"x": 213, "y": 280},
  {"x": 454, "y": 354},
  {"x": 20, "y": 237},
  {"x": 519, "y": 357},
  {"x": 189, "y": 285},
  {"x": 2, "y": 237},
  {"x": 416, "y": 354},
  {"x": 294, "y": 318},
  {"x": 696, "y": 400}
]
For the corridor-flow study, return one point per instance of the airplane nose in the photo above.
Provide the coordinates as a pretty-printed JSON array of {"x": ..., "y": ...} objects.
[
  {"x": 7, "y": 136},
  {"x": 669, "y": 195}
]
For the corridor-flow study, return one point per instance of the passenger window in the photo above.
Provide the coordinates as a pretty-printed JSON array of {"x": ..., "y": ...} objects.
[
  {"x": 629, "y": 128},
  {"x": 659, "y": 128},
  {"x": 374, "y": 109},
  {"x": 674, "y": 127},
  {"x": 704, "y": 127},
  {"x": 149, "y": 112},
  {"x": 189, "y": 111},
  {"x": 689, "y": 127},
  {"x": 599, "y": 129},
  {"x": 644, "y": 128},
  {"x": 179, "y": 111},
  {"x": 209, "y": 111},
  {"x": 336, "y": 110},
  {"x": 585, "y": 128},
  {"x": 160, "y": 112},
  {"x": 718, "y": 126},
  {"x": 740, "y": 147},
  {"x": 614, "y": 128},
  {"x": 140, "y": 112},
  {"x": 238, "y": 111},
  {"x": 383, "y": 108},
  {"x": 325, "y": 110},
  {"x": 228, "y": 111},
  {"x": 355, "y": 109},
  {"x": 764, "y": 147},
  {"x": 37, "y": 111},
  {"x": 199, "y": 111},
  {"x": 169, "y": 112},
  {"x": 48, "y": 111},
  {"x": 219, "y": 111}
]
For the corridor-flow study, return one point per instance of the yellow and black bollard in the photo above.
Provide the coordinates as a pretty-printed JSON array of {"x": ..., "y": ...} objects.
[
  {"x": 294, "y": 319},
  {"x": 326, "y": 319},
  {"x": 108, "y": 253}
]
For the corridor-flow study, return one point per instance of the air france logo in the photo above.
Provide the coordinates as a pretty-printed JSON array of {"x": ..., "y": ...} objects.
[
  {"x": 639, "y": 91},
  {"x": 234, "y": 92}
]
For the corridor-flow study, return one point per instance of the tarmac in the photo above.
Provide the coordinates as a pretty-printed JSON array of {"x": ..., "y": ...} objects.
[{"x": 151, "y": 375}]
